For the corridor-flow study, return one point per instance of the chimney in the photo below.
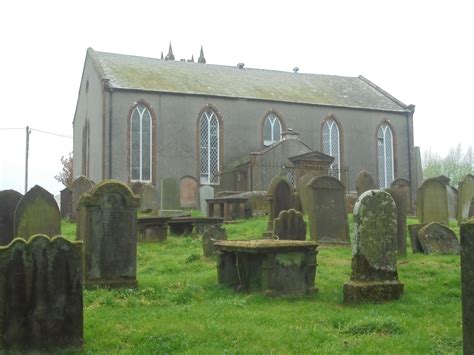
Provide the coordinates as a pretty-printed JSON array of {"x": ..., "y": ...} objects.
[{"x": 289, "y": 134}]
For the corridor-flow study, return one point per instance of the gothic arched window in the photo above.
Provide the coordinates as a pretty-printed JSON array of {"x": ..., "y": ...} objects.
[
  {"x": 209, "y": 148},
  {"x": 385, "y": 155},
  {"x": 271, "y": 130},
  {"x": 332, "y": 146},
  {"x": 140, "y": 144}
]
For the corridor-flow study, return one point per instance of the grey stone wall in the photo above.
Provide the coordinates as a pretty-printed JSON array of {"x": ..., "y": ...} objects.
[{"x": 177, "y": 122}]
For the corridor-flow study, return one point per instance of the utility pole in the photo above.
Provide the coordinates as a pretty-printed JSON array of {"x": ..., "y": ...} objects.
[{"x": 28, "y": 131}]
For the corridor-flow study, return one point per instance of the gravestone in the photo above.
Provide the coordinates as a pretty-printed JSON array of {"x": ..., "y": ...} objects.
[
  {"x": 290, "y": 225},
  {"x": 403, "y": 188},
  {"x": 149, "y": 198},
  {"x": 328, "y": 217},
  {"x": 205, "y": 192},
  {"x": 438, "y": 238},
  {"x": 66, "y": 203},
  {"x": 364, "y": 182},
  {"x": 108, "y": 227},
  {"x": 304, "y": 192},
  {"x": 452, "y": 196},
  {"x": 280, "y": 198},
  {"x": 41, "y": 303},
  {"x": 432, "y": 202},
  {"x": 170, "y": 194},
  {"x": 8, "y": 201},
  {"x": 413, "y": 230},
  {"x": 374, "y": 254},
  {"x": 188, "y": 192},
  {"x": 37, "y": 213},
  {"x": 471, "y": 209},
  {"x": 417, "y": 166},
  {"x": 136, "y": 187},
  {"x": 400, "y": 197},
  {"x": 212, "y": 234},
  {"x": 79, "y": 186},
  {"x": 467, "y": 285},
  {"x": 465, "y": 196}
]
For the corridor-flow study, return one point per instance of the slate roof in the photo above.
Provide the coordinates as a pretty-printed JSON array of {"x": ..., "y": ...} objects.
[{"x": 150, "y": 74}]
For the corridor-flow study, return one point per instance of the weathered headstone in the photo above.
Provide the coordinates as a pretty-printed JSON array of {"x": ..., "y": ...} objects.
[
  {"x": 417, "y": 167},
  {"x": 108, "y": 227},
  {"x": 374, "y": 255},
  {"x": 170, "y": 194},
  {"x": 304, "y": 192},
  {"x": 290, "y": 225},
  {"x": 403, "y": 188},
  {"x": 8, "y": 201},
  {"x": 280, "y": 198},
  {"x": 467, "y": 285},
  {"x": 471, "y": 209},
  {"x": 328, "y": 217},
  {"x": 37, "y": 213},
  {"x": 465, "y": 196},
  {"x": 413, "y": 230},
  {"x": 79, "y": 186},
  {"x": 401, "y": 199},
  {"x": 432, "y": 202},
  {"x": 438, "y": 238},
  {"x": 41, "y": 302},
  {"x": 452, "y": 195},
  {"x": 136, "y": 187},
  {"x": 149, "y": 198},
  {"x": 364, "y": 182},
  {"x": 66, "y": 203},
  {"x": 212, "y": 234},
  {"x": 205, "y": 192},
  {"x": 188, "y": 192}
]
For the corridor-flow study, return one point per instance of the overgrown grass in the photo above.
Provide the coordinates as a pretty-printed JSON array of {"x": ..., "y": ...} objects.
[{"x": 178, "y": 307}]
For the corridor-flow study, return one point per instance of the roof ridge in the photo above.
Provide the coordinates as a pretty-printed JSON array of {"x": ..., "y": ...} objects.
[{"x": 178, "y": 62}]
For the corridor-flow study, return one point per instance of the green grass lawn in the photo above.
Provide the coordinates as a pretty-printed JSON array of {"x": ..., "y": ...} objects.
[{"x": 178, "y": 307}]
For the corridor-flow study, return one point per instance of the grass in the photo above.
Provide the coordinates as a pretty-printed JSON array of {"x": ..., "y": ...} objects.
[{"x": 179, "y": 308}]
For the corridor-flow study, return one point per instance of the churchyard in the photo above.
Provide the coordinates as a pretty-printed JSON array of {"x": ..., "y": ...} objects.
[
  {"x": 306, "y": 278},
  {"x": 179, "y": 307}
]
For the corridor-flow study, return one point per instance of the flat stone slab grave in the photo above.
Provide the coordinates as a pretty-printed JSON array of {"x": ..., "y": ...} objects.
[
  {"x": 187, "y": 225},
  {"x": 276, "y": 267},
  {"x": 152, "y": 228}
]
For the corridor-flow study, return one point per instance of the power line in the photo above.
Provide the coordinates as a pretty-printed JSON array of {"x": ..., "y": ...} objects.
[{"x": 38, "y": 130}]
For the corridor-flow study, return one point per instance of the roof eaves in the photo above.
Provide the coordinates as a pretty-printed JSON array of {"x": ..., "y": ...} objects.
[
  {"x": 258, "y": 99},
  {"x": 385, "y": 93}
]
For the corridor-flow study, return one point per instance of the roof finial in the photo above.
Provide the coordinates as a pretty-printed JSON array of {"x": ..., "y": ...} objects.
[
  {"x": 170, "y": 55},
  {"x": 201, "y": 57}
]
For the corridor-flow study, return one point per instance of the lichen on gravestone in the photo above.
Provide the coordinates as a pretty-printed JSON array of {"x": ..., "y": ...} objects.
[{"x": 41, "y": 309}]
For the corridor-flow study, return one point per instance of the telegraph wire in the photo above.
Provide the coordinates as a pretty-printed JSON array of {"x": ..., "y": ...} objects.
[
  {"x": 53, "y": 134},
  {"x": 37, "y": 130}
]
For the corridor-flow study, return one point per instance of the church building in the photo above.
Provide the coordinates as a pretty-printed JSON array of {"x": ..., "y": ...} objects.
[{"x": 145, "y": 119}]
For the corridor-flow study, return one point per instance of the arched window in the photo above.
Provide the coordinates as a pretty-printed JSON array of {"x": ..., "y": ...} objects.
[
  {"x": 271, "y": 130},
  {"x": 385, "y": 155},
  {"x": 140, "y": 144},
  {"x": 209, "y": 148},
  {"x": 332, "y": 146}
]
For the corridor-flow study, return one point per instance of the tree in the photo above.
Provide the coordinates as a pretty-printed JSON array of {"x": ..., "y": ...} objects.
[
  {"x": 455, "y": 165},
  {"x": 65, "y": 175}
]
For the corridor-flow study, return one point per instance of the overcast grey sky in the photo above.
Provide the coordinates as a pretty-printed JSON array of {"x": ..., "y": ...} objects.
[{"x": 419, "y": 51}]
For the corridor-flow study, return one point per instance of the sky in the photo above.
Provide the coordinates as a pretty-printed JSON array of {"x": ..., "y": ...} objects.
[{"x": 421, "y": 52}]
